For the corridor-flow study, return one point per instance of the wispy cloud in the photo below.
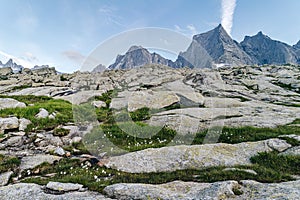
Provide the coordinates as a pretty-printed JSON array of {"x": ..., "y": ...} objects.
[
  {"x": 30, "y": 57},
  {"x": 74, "y": 56},
  {"x": 189, "y": 30},
  {"x": 109, "y": 15}
]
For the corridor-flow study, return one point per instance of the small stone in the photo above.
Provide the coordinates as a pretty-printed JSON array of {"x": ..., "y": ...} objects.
[
  {"x": 42, "y": 114},
  {"x": 59, "y": 151},
  {"x": 23, "y": 124},
  {"x": 63, "y": 187},
  {"x": 52, "y": 115},
  {"x": 279, "y": 145},
  {"x": 99, "y": 104},
  {"x": 76, "y": 139},
  {"x": 4, "y": 178},
  {"x": 250, "y": 171}
]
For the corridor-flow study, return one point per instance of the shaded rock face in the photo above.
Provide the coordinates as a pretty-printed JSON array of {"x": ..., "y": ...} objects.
[
  {"x": 264, "y": 50},
  {"x": 221, "y": 48},
  {"x": 297, "y": 46},
  {"x": 195, "y": 57},
  {"x": 138, "y": 56}
]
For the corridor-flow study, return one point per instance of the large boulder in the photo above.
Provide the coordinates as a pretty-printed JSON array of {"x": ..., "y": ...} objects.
[
  {"x": 193, "y": 157},
  {"x": 5, "y": 71},
  {"x": 9, "y": 123},
  {"x": 30, "y": 162},
  {"x": 172, "y": 191},
  {"x": 250, "y": 190}
]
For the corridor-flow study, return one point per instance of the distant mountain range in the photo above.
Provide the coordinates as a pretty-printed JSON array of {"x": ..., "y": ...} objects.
[
  {"x": 18, "y": 68},
  {"x": 10, "y": 63},
  {"x": 216, "y": 48}
]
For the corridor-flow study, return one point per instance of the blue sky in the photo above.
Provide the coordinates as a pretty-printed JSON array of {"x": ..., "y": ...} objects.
[{"x": 62, "y": 33}]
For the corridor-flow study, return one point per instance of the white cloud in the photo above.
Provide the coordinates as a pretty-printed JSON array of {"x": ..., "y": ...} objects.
[
  {"x": 109, "y": 15},
  {"x": 228, "y": 7}
]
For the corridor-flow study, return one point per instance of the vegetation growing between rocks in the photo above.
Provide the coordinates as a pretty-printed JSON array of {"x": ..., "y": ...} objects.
[
  {"x": 63, "y": 110},
  {"x": 8, "y": 163},
  {"x": 280, "y": 168},
  {"x": 233, "y": 135}
]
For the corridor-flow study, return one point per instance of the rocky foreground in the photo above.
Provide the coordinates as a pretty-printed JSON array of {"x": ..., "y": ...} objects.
[{"x": 210, "y": 133}]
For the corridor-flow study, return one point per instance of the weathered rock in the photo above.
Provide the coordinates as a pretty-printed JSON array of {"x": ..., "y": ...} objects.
[
  {"x": 173, "y": 191},
  {"x": 9, "y": 123},
  {"x": 23, "y": 124},
  {"x": 295, "y": 151},
  {"x": 293, "y": 136},
  {"x": 14, "y": 141},
  {"x": 30, "y": 162},
  {"x": 45, "y": 139},
  {"x": 148, "y": 98},
  {"x": 250, "y": 190},
  {"x": 29, "y": 191},
  {"x": 63, "y": 187},
  {"x": 4, "y": 178},
  {"x": 260, "y": 191},
  {"x": 192, "y": 157},
  {"x": 43, "y": 113},
  {"x": 214, "y": 102},
  {"x": 4, "y": 71},
  {"x": 11, "y": 103}
]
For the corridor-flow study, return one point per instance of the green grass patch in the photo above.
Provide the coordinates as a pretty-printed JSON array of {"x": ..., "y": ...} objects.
[
  {"x": 63, "y": 110},
  {"x": 280, "y": 163},
  {"x": 122, "y": 137},
  {"x": 233, "y": 135},
  {"x": 60, "y": 132},
  {"x": 107, "y": 97},
  {"x": 8, "y": 163},
  {"x": 77, "y": 148}
]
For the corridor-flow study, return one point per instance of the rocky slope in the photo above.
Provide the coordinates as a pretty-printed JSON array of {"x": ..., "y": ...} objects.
[
  {"x": 221, "y": 48},
  {"x": 264, "y": 50},
  {"x": 138, "y": 56},
  {"x": 221, "y": 133}
]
